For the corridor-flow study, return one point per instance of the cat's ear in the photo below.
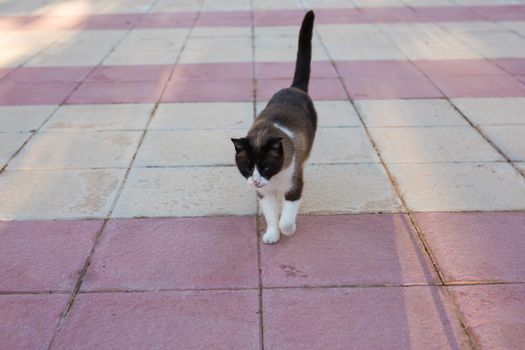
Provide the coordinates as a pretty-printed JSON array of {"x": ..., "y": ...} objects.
[
  {"x": 275, "y": 144},
  {"x": 241, "y": 144}
]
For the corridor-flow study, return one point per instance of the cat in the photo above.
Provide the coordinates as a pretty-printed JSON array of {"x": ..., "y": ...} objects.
[{"x": 272, "y": 156}]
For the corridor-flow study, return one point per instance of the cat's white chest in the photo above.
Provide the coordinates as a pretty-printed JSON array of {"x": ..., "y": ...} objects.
[{"x": 281, "y": 182}]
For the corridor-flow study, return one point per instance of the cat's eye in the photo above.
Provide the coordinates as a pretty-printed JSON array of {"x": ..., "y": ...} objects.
[{"x": 266, "y": 168}]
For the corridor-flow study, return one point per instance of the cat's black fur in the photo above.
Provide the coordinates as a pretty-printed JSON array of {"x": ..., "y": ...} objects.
[{"x": 268, "y": 147}]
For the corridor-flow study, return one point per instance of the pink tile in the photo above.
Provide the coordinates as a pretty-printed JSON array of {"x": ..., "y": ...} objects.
[
  {"x": 14, "y": 22},
  {"x": 319, "y": 89},
  {"x": 113, "y": 21},
  {"x": 224, "y": 19},
  {"x": 167, "y": 20},
  {"x": 389, "y": 14},
  {"x": 118, "y": 92},
  {"x": 44, "y": 255},
  {"x": 501, "y": 12},
  {"x": 359, "y": 249},
  {"x": 447, "y": 14},
  {"x": 338, "y": 15},
  {"x": 163, "y": 320},
  {"x": 273, "y": 70},
  {"x": 37, "y": 75},
  {"x": 437, "y": 68},
  {"x": 360, "y": 318},
  {"x": 5, "y": 71},
  {"x": 520, "y": 78},
  {"x": 34, "y": 94},
  {"x": 377, "y": 69},
  {"x": 479, "y": 86},
  {"x": 493, "y": 314},
  {"x": 175, "y": 253},
  {"x": 390, "y": 87},
  {"x": 109, "y": 74},
  {"x": 474, "y": 247},
  {"x": 278, "y": 17},
  {"x": 224, "y": 90},
  {"x": 511, "y": 65},
  {"x": 29, "y": 321},
  {"x": 212, "y": 71}
]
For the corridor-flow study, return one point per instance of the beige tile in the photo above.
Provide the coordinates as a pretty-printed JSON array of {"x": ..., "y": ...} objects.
[
  {"x": 493, "y": 110},
  {"x": 212, "y": 115},
  {"x": 347, "y": 188},
  {"x": 521, "y": 167},
  {"x": 77, "y": 149},
  {"x": 329, "y": 113},
  {"x": 211, "y": 50},
  {"x": 185, "y": 192},
  {"x": 284, "y": 49},
  {"x": 221, "y": 32},
  {"x": 432, "y": 145},
  {"x": 342, "y": 145},
  {"x": 187, "y": 148},
  {"x": 101, "y": 117},
  {"x": 136, "y": 57},
  {"x": 359, "y": 53},
  {"x": 510, "y": 139},
  {"x": 408, "y": 113},
  {"x": 460, "y": 186},
  {"x": 58, "y": 194},
  {"x": 9, "y": 144},
  {"x": 23, "y": 118},
  {"x": 336, "y": 113}
]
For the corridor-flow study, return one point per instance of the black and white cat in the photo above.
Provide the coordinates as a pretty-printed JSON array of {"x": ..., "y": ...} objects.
[{"x": 272, "y": 156}]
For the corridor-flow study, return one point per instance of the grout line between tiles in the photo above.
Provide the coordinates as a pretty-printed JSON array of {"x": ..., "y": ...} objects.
[
  {"x": 119, "y": 191},
  {"x": 404, "y": 206}
]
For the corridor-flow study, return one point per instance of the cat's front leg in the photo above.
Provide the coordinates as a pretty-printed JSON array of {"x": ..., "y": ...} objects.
[
  {"x": 292, "y": 201},
  {"x": 270, "y": 207}
]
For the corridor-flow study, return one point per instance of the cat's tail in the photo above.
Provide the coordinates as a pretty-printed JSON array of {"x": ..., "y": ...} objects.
[{"x": 304, "y": 53}]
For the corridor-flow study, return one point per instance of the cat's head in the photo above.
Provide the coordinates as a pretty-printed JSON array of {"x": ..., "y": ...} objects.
[{"x": 259, "y": 160}]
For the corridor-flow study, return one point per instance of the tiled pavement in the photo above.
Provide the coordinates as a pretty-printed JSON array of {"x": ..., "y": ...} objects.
[{"x": 125, "y": 225}]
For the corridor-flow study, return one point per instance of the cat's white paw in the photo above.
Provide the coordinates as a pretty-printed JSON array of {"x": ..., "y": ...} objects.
[
  {"x": 270, "y": 237},
  {"x": 287, "y": 228}
]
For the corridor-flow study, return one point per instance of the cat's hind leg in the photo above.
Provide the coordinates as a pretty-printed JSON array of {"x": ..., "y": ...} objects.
[
  {"x": 270, "y": 207},
  {"x": 292, "y": 201}
]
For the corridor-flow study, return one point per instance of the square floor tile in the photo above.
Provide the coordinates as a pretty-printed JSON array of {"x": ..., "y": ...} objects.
[
  {"x": 58, "y": 194},
  {"x": 36, "y": 75},
  {"x": 389, "y": 318},
  {"x": 476, "y": 247},
  {"x": 319, "y": 89},
  {"x": 438, "y": 68},
  {"x": 194, "y": 191},
  {"x": 390, "y": 87},
  {"x": 423, "y": 112},
  {"x": 29, "y": 321},
  {"x": 78, "y": 149},
  {"x": 510, "y": 139},
  {"x": 44, "y": 255},
  {"x": 336, "y": 113},
  {"x": 213, "y": 71},
  {"x": 182, "y": 90},
  {"x": 9, "y": 144},
  {"x": 493, "y": 314},
  {"x": 34, "y": 94},
  {"x": 511, "y": 65},
  {"x": 211, "y": 50},
  {"x": 112, "y": 74},
  {"x": 460, "y": 186},
  {"x": 136, "y": 56},
  {"x": 100, "y": 117},
  {"x": 197, "y": 116},
  {"x": 359, "y": 188},
  {"x": 365, "y": 249},
  {"x": 23, "y": 118},
  {"x": 479, "y": 86},
  {"x": 222, "y": 251},
  {"x": 187, "y": 147},
  {"x": 281, "y": 70},
  {"x": 342, "y": 145},
  {"x": 377, "y": 69},
  {"x": 121, "y": 92},
  {"x": 192, "y": 320},
  {"x": 433, "y": 145},
  {"x": 492, "y": 111}
]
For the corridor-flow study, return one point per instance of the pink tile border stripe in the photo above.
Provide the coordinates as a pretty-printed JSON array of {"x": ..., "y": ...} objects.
[
  {"x": 265, "y": 18},
  {"x": 230, "y": 82}
]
